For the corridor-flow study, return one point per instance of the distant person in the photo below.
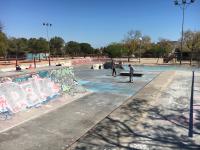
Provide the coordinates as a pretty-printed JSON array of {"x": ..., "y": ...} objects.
[
  {"x": 18, "y": 68},
  {"x": 114, "y": 69},
  {"x": 131, "y": 73}
]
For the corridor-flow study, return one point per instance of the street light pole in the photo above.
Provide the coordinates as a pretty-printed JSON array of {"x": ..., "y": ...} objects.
[
  {"x": 183, "y": 19},
  {"x": 182, "y": 4},
  {"x": 47, "y": 30}
]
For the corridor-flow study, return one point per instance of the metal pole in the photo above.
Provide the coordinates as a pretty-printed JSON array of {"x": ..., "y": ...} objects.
[
  {"x": 182, "y": 5},
  {"x": 190, "y": 132},
  {"x": 183, "y": 19}
]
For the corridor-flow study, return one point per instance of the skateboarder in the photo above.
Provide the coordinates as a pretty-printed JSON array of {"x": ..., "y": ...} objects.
[
  {"x": 114, "y": 69},
  {"x": 131, "y": 73}
]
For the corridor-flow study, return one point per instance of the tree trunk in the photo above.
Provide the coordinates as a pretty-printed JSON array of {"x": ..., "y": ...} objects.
[
  {"x": 39, "y": 58},
  {"x": 157, "y": 59},
  {"x": 198, "y": 57},
  {"x": 5, "y": 57},
  {"x": 191, "y": 58},
  {"x": 46, "y": 55}
]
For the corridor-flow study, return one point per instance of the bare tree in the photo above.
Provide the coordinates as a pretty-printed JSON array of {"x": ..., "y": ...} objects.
[
  {"x": 132, "y": 42},
  {"x": 190, "y": 42}
]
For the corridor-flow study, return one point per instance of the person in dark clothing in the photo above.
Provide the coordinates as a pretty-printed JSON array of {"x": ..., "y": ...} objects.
[
  {"x": 131, "y": 73},
  {"x": 18, "y": 68},
  {"x": 114, "y": 69}
]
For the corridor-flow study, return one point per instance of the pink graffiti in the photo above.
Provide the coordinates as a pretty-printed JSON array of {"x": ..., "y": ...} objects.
[
  {"x": 3, "y": 103},
  {"x": 19, "y": 96}
]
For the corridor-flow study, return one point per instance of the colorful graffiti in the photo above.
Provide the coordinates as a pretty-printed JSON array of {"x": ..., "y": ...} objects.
[{"x": 26, "y": 91}]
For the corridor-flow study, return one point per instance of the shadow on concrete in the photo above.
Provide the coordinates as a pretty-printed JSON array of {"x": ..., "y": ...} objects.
[
  {"x": 197, "y": 122},
  {"x": 126, "y": 130}
]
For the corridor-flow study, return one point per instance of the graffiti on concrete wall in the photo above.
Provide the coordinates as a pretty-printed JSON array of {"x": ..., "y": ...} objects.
[
  {"x": 65, "y": 78},
  {"x": 26, "y": 91}
]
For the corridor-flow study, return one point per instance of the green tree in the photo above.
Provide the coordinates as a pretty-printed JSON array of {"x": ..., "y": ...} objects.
[
  {"x": 36, "y": 46},
  {"x": 132, "y": 42},
  {"x": 15, "y": 47},
  {"x": 42, "y": 45},
  {"x": 191, "y": 40},
  {"x": 146, "y": 43},
  {"x": 3, "y": 45},
  {"x": 56, "y": 45},
  {"x": 86, "y": 49},
  {"x": 116, "y": 50},
  {"x": 158, "y": 51},
  {"x": 163, "y": 48},
  {"x": 22, "y": 44},
  {"x": 197, "y": 46},
  {"x": 32, "y": 45},
  {"x": 97, "y": 51},
  {"x": 73, "y": 48},
  {"x": 12, "y": 46},
  {"x": 151, "y": 51},
  {"x": 21, "y": 47}
]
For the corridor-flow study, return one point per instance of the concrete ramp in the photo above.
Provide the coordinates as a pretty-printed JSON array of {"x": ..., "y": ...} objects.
[
  {"x": 28, "y": 89},
  {"x": 58, "y": 129}
]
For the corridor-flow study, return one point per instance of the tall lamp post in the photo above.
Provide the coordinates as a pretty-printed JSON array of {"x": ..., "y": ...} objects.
[
  {"x": 183, "y": 4},
  {"x": 47, "y": 25}
]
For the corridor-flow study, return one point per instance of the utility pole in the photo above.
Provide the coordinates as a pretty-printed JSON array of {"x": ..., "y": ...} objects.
[{"x": 47, "y": 30}]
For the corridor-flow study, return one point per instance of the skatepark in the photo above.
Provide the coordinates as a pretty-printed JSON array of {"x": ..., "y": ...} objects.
[{"x": 109, "y": 112}]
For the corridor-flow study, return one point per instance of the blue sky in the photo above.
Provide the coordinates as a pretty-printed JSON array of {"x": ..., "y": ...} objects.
[{"x": 98, "y": 22}]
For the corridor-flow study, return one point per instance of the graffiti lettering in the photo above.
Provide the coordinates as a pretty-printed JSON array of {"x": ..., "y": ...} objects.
[{"x": 20, "y": 93}]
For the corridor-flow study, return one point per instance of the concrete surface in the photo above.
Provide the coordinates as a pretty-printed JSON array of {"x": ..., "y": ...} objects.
[
  {"x": 59, "y": 128},
  {"x": 155, "y": 118}
]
